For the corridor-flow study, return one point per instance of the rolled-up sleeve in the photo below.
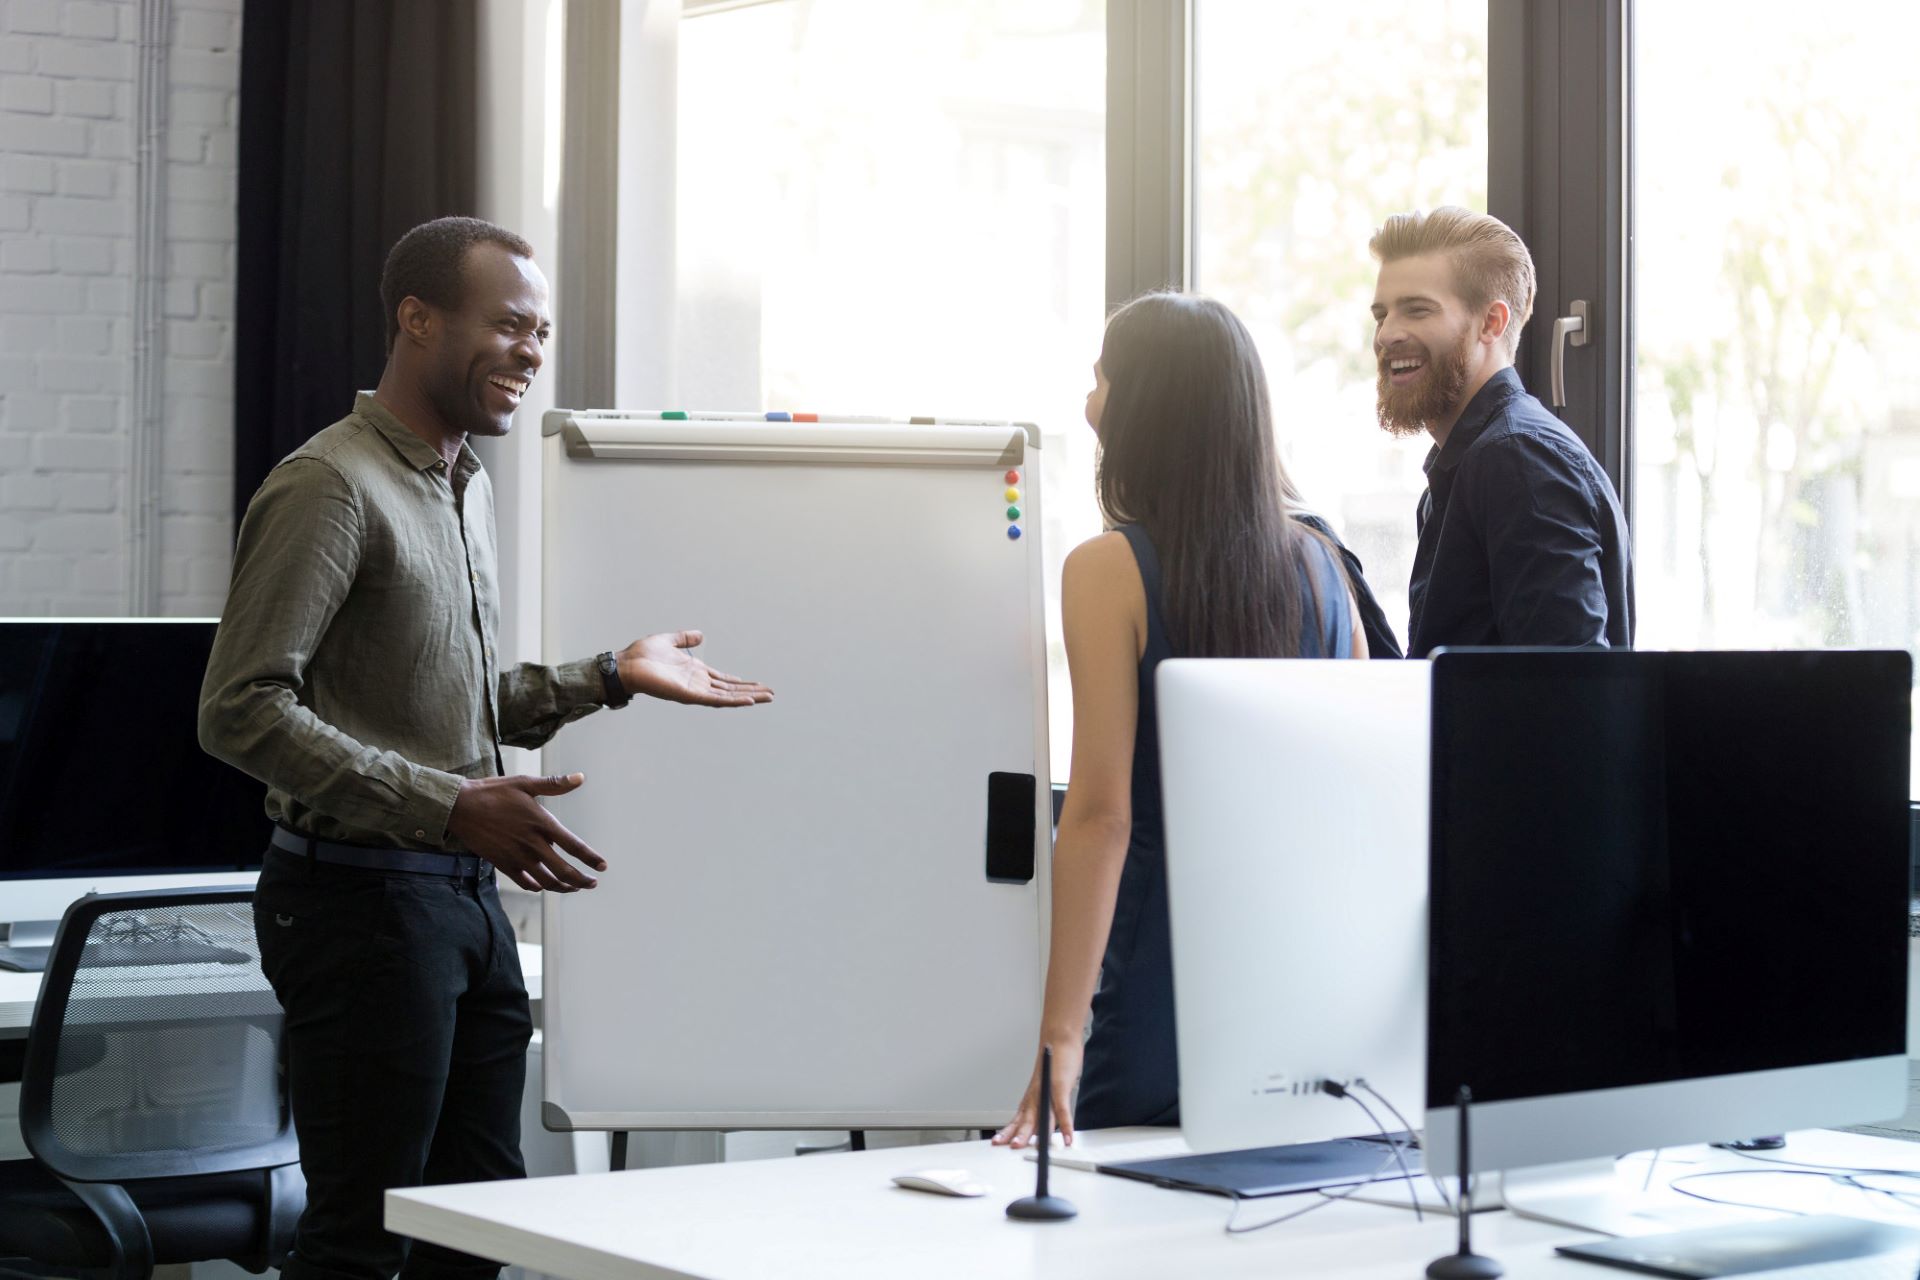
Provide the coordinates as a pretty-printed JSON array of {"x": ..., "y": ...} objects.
[
  {"x": 1544, "y": 555},
  {"x": 297, "y": 556},
  {"x": 536, "y": 702}
]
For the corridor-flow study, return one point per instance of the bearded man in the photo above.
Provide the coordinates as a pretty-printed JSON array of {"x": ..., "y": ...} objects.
[{"x": 1522, "y": 541}]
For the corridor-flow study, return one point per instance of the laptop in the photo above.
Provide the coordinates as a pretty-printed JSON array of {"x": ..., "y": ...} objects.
[
  {"x": 1806, "y": 1247},
  {"x": 1167, "y": 1161},
  {"x": 1280, "y": 1171}
]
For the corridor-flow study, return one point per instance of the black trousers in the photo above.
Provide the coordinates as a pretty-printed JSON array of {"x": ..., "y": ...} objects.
[{"x": 406, "y": 1029}]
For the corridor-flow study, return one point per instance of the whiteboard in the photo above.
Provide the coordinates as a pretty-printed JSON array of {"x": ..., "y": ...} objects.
[{"x": 796, "y": 929}]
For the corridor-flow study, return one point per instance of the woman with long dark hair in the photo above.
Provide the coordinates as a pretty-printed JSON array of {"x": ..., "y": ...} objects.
[{"x": 1203, "y": 559}]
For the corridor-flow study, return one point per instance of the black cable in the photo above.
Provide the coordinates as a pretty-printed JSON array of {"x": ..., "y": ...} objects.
[
  {"x": 1842, "y": 1175},
  {"x": 1907, "y": 1199},
  {"x": 1840, "y": 1178},
  {"x": 1399, "y": 1152},
  {"x": 1439, "y": 1189},
  {"x": 1827, "y": 1168}
]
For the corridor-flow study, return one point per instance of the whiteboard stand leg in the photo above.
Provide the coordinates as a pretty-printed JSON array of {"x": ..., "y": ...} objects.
[
  {"x": 856, "y": 1139},
  {"x": 618, "y": 1158}
]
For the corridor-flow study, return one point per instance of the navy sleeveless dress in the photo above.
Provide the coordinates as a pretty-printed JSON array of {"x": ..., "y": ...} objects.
[{"x": 1131, "y": 1075}]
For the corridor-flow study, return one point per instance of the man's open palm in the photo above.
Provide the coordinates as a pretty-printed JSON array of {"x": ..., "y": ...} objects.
[{"x": 660, "y": 666}]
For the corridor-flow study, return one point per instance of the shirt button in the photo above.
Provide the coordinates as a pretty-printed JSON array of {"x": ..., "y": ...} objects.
[{"x": 420, "y": 835}]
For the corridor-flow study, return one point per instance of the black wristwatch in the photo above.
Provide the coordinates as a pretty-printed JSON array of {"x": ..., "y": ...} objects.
[{"x": 617, "y": 695}]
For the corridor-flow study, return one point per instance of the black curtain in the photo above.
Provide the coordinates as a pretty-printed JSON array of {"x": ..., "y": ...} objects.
[{"x": 358, "y": 120}]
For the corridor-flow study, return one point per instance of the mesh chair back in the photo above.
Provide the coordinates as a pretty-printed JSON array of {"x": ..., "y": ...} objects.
[{"x": 155, "y": 1047}]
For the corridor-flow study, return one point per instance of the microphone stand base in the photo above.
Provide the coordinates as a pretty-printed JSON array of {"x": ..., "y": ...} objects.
[
  {"x": 1464, "y": 1266},
  {"x": 1042, "y": 1209}
]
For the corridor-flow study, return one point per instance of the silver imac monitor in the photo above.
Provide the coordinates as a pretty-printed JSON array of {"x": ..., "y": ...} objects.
[
  {"x": 1296, "y": 810},
  {"x": 103, "y": 785},
  {"x": 1669, "y": 899}
]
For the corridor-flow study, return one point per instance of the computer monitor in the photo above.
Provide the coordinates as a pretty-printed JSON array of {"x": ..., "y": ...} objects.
[
  {"x": 1296, "y": 810},
  {"x": 1669, "y": 898},
  {"x": 103, "y": 785}
]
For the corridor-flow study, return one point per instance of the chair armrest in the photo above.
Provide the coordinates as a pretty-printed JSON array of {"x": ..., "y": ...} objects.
[{"x": 126, "y": 1229}]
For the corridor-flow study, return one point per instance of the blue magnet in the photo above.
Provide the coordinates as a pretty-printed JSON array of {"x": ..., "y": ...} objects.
[{"x": 1013, "y": 532}]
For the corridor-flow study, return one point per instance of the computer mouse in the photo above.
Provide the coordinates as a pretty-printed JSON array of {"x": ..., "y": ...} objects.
[{"x": 942, "y": 1182}]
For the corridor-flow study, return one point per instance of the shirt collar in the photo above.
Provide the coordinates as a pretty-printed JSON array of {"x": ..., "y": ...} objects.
[
  {"x": 1487, "y": 401},
  {"x": 418, "y": 453}
]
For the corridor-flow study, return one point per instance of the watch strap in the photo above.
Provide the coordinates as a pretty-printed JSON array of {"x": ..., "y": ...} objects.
[{"x": 616, "y": 693}]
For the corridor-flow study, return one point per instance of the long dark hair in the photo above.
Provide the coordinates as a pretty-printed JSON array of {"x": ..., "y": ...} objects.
[{"x": 1186, "y": 450}]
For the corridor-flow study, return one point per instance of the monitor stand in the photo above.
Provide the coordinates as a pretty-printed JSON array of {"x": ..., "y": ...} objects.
[
  {"x": 1613, "y": 1198},
  {"x": 28, "y": 933},
  {"x": 25, "y": 944},
  {"x": 1440, "y": 1199}
]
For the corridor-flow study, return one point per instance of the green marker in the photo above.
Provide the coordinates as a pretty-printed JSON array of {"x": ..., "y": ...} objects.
[{"x": 675, "y": 415}]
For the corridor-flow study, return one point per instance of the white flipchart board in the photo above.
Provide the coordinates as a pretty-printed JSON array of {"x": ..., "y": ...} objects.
[{"x": 797, "y": 929}]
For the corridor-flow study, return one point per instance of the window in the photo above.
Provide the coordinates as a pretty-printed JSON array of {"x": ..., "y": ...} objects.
[
  {"x": 1312, "y": 124},
  {"x": 1776, "y": 438},
  {"x": 897, "y": 207}
]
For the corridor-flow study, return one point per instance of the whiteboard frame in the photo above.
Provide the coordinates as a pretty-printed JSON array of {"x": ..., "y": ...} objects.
[{"x": 610, "y": 434}]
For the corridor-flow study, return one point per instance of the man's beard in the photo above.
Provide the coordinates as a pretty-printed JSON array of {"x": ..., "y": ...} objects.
[{"x": 1410, "y": 410}]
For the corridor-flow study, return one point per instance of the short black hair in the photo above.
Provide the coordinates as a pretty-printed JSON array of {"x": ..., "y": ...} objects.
[{"x": 428, "y": 263}]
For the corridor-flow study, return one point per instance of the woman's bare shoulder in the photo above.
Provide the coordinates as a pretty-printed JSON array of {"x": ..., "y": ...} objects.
[{"x": 1105, "y": 556}]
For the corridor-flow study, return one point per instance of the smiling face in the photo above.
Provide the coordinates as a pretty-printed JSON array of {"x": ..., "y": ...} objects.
[
  {"x": 482, "y": 355},
  {"x": 1433, "y": 349}
]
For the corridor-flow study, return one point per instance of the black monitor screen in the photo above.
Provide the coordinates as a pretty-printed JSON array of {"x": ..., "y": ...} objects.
[
  {"x": 1660, "y": 866},
  {"x": 101, "y": 771}
]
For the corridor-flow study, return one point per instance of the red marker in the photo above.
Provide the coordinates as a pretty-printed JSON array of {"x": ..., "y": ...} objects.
[{"x": 806, "y": 417}]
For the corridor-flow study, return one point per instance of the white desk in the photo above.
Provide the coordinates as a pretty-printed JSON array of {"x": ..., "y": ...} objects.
[
  {"x": 839, "y": 1217},
  {"x": 18, "y": 991}
]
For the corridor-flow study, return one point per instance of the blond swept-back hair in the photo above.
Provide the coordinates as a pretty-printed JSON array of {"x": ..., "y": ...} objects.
[{"x": 1489, "y": 260}]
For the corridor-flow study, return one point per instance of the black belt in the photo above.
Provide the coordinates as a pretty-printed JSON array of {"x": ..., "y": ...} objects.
[{"x": 463, "y": 866}]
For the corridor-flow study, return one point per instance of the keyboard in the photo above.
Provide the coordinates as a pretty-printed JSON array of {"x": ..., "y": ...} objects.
[
  {"x": 142, "y": 952},
  {"x": 127, "y": 955},
  {"x": 1807, "y": 1247},
  {"x": 24, "y": 959},
  {"x": 1088, "y": 1158}
]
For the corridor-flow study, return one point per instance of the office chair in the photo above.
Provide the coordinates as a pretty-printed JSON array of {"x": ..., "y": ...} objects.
[{"x": 153, "y": 1096}]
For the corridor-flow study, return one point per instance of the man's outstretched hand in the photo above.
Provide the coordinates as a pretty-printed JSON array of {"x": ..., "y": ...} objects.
[
  {"x": 503, "y": 821},
  {"x": 660, "y": 667}
]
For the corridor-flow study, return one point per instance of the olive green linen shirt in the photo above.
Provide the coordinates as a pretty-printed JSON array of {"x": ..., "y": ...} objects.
[{"x": 354, "y": 669}]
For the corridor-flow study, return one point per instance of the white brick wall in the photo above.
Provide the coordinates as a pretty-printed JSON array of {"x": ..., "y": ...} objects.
[{"x": 67, "y": 188}]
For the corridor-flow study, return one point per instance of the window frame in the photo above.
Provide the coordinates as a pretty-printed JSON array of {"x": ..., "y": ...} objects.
[
  {"x": 1149, "y": 145},
  {"x": 1560, "y": 173},
  {"x": 1559, "y": 160}
]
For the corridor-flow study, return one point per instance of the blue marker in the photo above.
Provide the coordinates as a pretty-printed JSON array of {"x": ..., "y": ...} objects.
[{"x": 779, "y": 417}]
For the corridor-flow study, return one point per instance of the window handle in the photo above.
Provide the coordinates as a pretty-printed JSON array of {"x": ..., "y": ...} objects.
[{"x": 1567, "y": 329}]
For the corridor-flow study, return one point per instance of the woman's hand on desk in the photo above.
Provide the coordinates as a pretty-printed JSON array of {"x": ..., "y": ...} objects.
[{"x": 1023, "y": 1129}]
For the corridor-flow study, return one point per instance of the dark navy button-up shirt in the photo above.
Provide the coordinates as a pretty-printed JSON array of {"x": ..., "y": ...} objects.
[{"x": 1522, "y": 541}]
